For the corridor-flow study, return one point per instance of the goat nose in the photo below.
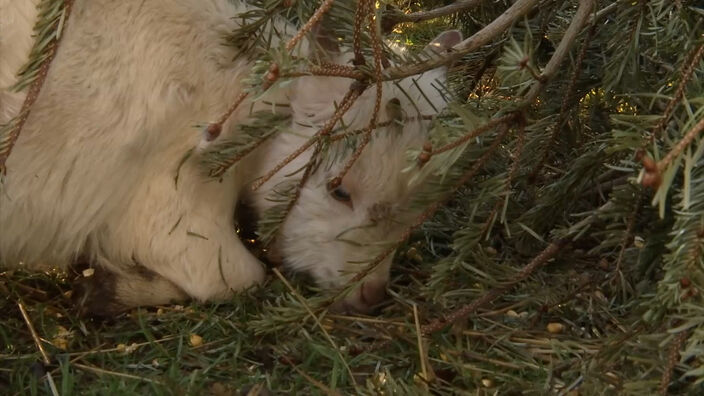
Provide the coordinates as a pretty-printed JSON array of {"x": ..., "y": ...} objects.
[{"x": 373, "y": 292}]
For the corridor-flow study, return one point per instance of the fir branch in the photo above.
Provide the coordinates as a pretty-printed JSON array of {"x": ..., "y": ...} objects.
[
  {"x": 213, "y": 130},
  {"x": 653, "y": 171},
  {"x": 54, "y": 15},
  {"x": 628, "y": 234},
  {"x": 469, "y": 45},
  {"x": 573, "y": 30},
  {"x": 312, "y": 21},
  {"x": 566, "y": 99},
  {"x": 268, "y": 227},
  {"x": 393, "y": 17},
  {"x": 363, "y": 8},
  {"x": 673, "y": 356},
  {"x": 367, "y": 136},
  {"x": 344, "y": 106},
  {"x": 516, "y": 155},
  {"x": 686, "y": 74},
  {"x": 222, "y": 156},
  {"x": 471, "y": 135},
  {"x": 538, "y": 261}
]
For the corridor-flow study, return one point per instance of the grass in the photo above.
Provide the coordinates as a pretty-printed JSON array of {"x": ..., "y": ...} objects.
[{"x": 537, "y": 339}]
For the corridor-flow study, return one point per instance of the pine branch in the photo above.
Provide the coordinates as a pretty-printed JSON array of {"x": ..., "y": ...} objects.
[
  {"x": 344, "y": 106},
  {"x": 312, "y": 21},
  {"x": 367, "y": 135},
  {"x": 469, "y": 45},
  {"x": 540, "y": 260},
  {"x": 469, "y": 136},
  {"x": 573, "y": 30},
  {"x": 54, "y": 15},
  {"x": 653, "y": 171},
  {"x": 686, "y": 74},
  {"x": 393, "y": 17},
  {"x": 673, "y": 357},
  {"x": 425, "y": 215},
  {"x": 562, "y": 117}
]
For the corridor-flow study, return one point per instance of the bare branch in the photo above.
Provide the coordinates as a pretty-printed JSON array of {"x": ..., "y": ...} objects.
[
  {"x": 579, "y": 20},
  {"x": 477, "y": 40},
  {"x": 393, "y": 17}
]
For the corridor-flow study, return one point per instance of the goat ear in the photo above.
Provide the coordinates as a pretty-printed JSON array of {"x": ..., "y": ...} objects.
[
  {"x": 444, "y": 41},
  {"x": 324, "y": 43}
]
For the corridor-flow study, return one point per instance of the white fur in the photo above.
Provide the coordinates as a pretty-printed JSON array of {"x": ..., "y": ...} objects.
[
  {"x": 94, "y": 169},
  {"x": 16, "y": 23}
]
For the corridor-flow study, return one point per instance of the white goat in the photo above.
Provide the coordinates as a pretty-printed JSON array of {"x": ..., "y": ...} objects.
[{"x": 92, "y": 173}]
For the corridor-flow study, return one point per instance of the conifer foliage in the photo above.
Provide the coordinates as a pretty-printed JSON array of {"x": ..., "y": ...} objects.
[{"x": 560, "y": 245}]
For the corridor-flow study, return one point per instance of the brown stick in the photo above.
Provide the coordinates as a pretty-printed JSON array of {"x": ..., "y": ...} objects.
[
  {"x": 477, "y": 40},
  {"x": 393, "y": 18},
  {"x": 681, "y": 145},
  {"x": 541, "y": 259},
  {"x": 578, "y": 21},
  {"x": 38, "y": 343}
]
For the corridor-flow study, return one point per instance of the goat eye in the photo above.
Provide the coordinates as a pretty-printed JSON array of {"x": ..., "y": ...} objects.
[{"x": 341, "y": 194}]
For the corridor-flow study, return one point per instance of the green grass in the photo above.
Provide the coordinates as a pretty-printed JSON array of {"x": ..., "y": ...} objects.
[{"x": 264, "y": 339}]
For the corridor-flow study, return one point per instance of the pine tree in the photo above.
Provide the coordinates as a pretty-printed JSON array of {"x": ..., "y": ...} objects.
[
  {"x": 574, "y": 135},
  {"x": 560, "y": 248}
]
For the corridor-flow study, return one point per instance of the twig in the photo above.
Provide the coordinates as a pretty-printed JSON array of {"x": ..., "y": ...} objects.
[
  {"x": 360, "y": 13},
  {"x": 98, "y": 370},
  {"x": 230, "y": 162},
  {"x": 477, "y": 40},
  {"x": 315, "y": 382},
  {"x": 345, "y": 105},
  {"x": 394, "y": 17},
  {"x": 653, "y": 172},
  {"x": 333, "y": 70},
  {"x": 303, "y": 303},
  {"x": 421, "y": 352},
  {"x": 566, "y": 99},
  {"x": 578, "y": 21},
  {"x": 681, "y": 145},
  {"x": 33, "y": 332},
  {"x": 314, "y": 19},
  {"x": 38, "y": 343},
  {"x": 673, "y": 357},
  {"x": 511, "y": 174},
  {"x": 687, "y": 70},
  {"x": 7, "y": 144},
  {"x": 474, "y": 133},
  {"x": 628, "y": 236},
  {"x": 376, "y": 47},
  {"x": 541, "y": 259},
  {"x": 304, "y": 179}
]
